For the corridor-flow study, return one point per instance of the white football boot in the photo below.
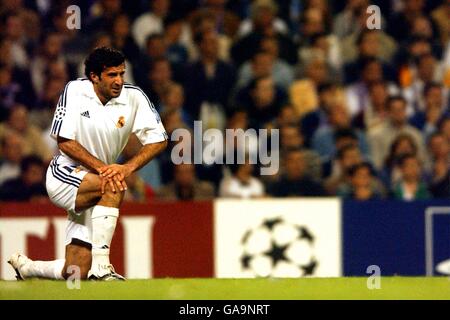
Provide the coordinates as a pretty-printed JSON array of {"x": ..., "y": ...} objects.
[
  {"x": 109, "y": 275},
  {"x": 18, "y": 261}
]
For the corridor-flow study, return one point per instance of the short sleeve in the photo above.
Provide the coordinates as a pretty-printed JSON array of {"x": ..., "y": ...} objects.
[
  {"x": 65, "y": 118},
  {"x": 147, "y": 123}
]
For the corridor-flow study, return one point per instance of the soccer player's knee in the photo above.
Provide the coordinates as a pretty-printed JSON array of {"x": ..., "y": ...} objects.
[{"x": 112, "y": 195}]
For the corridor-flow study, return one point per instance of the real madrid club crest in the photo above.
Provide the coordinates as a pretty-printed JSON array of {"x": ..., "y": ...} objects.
[{"x": 121, "y": 122}]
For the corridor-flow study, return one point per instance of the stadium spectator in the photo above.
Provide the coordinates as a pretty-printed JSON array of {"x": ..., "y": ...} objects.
[
  {"x": 29, "y": 186},
  {"x": 381, "y": 137},
  {"x": 407, "y": 56},
  {"x": 436, "y": 108},
  {"x": 400, "y": 23},
  {"x": 347, "y": 156},
  {"x": 427, "y": 72},
  {"x": 29, "y": 29},
  {"x": 369, "y": 44},
  {"x": 176, "y": 50},
  {"x": 375, "y": 113},
  {"x": 362, "y": 184},
  {"x": 262, "y": 100},
  {"x": 440, "y": 18},
  {"x": 50, "y": 52},
  {"x": 329, "y": 95},
  {"x": 347, "y": 21},
  {"x": 245, "y": 47},
  {"x": 75, "y": 43},
  {"x": 295, "y": 182},
  {"x": 173, "y": 99},
  {"x": 11, "y": 92},
  {"x": 286, "y": 117},
  {"x": 159, "y": 77},
  {"x": 323, "y": 47},
  {"x": 411, "y": 185},
  {"x": 204, "y": 20},
  {"x": 312, "y": 21},
  {"x": 262, "y": 12},
  {"x": 14, "y": 84},
  {"x": 102, "y": 14},
  {"x": 151, "y": 22},
  {"x": 11, "y": 156},
  {"x": 266, "y": 62},
  {"x": 324, "y": 140},
  {"x": 185, "y": 186},
  {"x": 122, "y": 39},
  {"x": 241, "y": 183},
  {"x": 172, "y": 120},
  {"x": 239, "y": 120},
  {"x": 403, "y": 144},
  {"x": 226, "y": 22},
  {"x": 303, "y": 93},
  {"x": 439, "y": 148},
  {"x": 41, "y": 115},
  {"x": 292, "y": 138},
  {"x": 208, "y": 83},
  {"x": 358, "y": 92},
  {"x": 31, "y": 135},
  {"x": 12, "y": 25}
]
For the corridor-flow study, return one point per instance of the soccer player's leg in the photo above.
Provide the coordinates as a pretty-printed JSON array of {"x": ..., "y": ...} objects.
[
  {"x": 78, "y": 259},
  {"x": 62, "y": 183},
  {"x": 105, "y": 212}
]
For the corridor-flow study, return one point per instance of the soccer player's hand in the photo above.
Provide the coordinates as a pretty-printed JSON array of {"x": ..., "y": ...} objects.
[
  {"x": 117, "y": 173},
  {"x": 106, "y": 181}
]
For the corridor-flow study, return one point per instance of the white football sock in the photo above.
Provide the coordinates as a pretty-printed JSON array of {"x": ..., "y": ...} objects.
[
  {"x": 104, "y": 220},
  {"x": 43, "y": 269}
]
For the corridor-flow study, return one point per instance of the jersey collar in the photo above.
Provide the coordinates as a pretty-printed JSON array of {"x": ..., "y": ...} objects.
[{"x": 121, "y": 99}]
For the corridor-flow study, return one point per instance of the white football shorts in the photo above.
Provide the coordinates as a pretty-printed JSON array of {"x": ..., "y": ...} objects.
[{"x": 62, "y": 183}]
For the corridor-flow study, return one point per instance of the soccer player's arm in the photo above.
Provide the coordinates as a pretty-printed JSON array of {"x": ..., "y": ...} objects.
[
  {"x": 64, "y": 131},
  {"x": 151, "y": 133}
]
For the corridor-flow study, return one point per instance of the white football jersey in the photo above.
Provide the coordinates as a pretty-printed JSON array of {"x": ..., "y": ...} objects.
[{"x": 104, "y": 129}]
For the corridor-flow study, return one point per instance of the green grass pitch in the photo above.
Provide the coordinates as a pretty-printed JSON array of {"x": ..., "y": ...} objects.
[{"x": 233, "y": 289}]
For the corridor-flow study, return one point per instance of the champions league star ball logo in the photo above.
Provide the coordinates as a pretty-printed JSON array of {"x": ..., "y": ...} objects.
[{"x": 278, "y": 248}]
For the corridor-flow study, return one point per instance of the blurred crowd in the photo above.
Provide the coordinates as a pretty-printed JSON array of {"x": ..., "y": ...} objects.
[{"x": 362, "y": 113}]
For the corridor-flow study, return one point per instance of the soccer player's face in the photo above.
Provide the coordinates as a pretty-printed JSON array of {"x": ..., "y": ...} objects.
[{"x": 111, "y": 82}]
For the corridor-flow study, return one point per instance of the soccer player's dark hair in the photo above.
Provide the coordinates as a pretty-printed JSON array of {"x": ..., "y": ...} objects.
[{"x": 102, "y": 58}]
